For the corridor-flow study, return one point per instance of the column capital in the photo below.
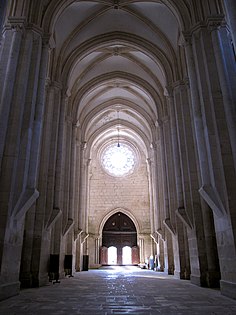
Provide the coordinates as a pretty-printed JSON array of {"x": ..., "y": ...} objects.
[
  {"x": 35, "y": 28},
  {"x": 181, "y": 84},
  {"x": 16, "y": 24},
  {"x": 95, "y": 236},
  {"x": 53, "y": 84},
  {"x": 214, "y": 23}
]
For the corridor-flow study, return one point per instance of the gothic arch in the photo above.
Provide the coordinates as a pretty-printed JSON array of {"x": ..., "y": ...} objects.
[
  {"x": 112, "y": 212},
  {"x": 140, "y": 136},
  {"x": 86, "y": 117},
  {"x": 135, "y": 80},
  {"x": 130, "y": 40},
  {"x": 55, "y": 8}
]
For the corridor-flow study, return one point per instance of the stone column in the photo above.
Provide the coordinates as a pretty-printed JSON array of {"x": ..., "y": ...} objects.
[
  {"x": 230, "y": 6},
  {"x": 151, "y": 193},
  {"x": 164, "y": 172},
  {"x": 60, "y": 167},
  {"x": 83, "y": 187},
  {"x": 155, "y": 184},
  {"x": 78, "y": 215},
  {"x": 38, "y": 118},
  {"x": 141, "y": 249},
  {"x": 33, "y": 122},
  {"x": 45, "y": 214},
  {"x": 226, "y": 66},
  {"x": 192, "y": 215},
  {"x": 77, "y": 179},
  {"x": 9, "y": 61},
  {"x": 52, "y": 132},
  {"x": 3, "y": 6},
  {"x": 197, "y": 114},
  {"x": 71, "y": 213},
  {"x": 22, "y": 74},
  {"x": 175, "y": 145},
  {"x": 97, "y": 249},
  {"x": 83, "y": 199},
  {"x": 67, "y": 172},
  {"x": 168, "y": 246},
  {"x": 160, "y": 195},
  {"x": 214, "y": 140}
]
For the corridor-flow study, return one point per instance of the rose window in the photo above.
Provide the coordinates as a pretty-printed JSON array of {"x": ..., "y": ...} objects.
[{"x": 118, "y": 160}]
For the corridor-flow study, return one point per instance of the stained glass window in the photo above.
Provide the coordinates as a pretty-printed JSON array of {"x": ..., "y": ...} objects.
[{"x": 118, "y": 160}]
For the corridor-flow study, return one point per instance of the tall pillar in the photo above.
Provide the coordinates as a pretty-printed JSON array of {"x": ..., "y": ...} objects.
[
  {"x": 3, "y": 6},
  {"x": 212, "y": 105},
  {"x": 141, "y": 250},
  {"x": 160, "y": 215},
  {"x": 9, "y": 61},
  {"x": 230, "y": 6},
  {"x": 85, "y": 161},
  {"x": 37, "y": 122},
  {"x": 175, "y": 145},
  {"x": 151, "y": 193},
  {"x": 45, "y": 214},
  {"x": 155, "y": 186},
  {"x": 22, "y": 86},
  {"x": 226, "y": 66},
  {"x": 97, "y": 249}
]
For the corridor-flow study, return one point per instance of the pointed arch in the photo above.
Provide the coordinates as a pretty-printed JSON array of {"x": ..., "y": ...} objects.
[{"x": 114, "y": 211}]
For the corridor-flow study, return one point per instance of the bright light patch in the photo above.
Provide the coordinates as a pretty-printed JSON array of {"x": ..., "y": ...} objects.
[
  {"x": 118, "y": 160},
  {"x": 126, "y": 255},
  {"x": 112, "y": 255}
]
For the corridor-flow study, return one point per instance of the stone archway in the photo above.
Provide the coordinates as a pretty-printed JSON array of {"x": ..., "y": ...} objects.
[{"x": 119, "y": 231}]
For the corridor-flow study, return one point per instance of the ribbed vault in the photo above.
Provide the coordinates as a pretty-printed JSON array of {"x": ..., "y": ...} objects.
[{"x": 116, "y": 57}]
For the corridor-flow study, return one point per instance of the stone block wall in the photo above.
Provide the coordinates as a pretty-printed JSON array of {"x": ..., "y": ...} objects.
[{"x": 107, "y": 193}]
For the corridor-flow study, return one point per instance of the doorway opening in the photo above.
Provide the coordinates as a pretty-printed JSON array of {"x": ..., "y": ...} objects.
[
  {"x": 126, "y": 255},
  {"x": 112, "y": 255},
  {"x": 119, "y": 241}
]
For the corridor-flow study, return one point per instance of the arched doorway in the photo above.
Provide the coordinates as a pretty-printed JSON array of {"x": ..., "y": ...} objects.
[
  {"x": 112, "y": 255},
  {"x": 120, "y": 232},
  {"x": 126, "y": 255}
]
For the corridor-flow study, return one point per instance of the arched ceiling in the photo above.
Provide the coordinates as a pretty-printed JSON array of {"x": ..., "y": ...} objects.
[{"x": 116, "y": 56}]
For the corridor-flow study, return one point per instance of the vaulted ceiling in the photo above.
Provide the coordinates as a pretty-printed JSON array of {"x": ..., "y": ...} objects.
[{"x": 115, "y": 59}]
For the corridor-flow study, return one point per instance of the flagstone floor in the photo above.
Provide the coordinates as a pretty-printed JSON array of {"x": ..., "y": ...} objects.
[{"x": 119, "y": 290}]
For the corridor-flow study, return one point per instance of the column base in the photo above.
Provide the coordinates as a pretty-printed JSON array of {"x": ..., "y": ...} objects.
[
  {"x": 43, "y": 280},
  {"x": 196, "y": 280},
  {"x": 209, "y": 280},
  {"x": 228, "y": 289},
  {"x": 26, "y": 281},
  {"x": 213, "y": 279},
  {"x": 183, "y": 275},
  {"x": 39, "y": 280},
  {"x": 9, "y": 289}
]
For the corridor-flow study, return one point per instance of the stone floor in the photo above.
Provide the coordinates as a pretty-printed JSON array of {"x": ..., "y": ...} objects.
[{"x": 119, "y": 290}]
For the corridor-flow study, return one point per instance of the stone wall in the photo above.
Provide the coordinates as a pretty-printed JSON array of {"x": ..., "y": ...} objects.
[{"x": 107, "y": 193}]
